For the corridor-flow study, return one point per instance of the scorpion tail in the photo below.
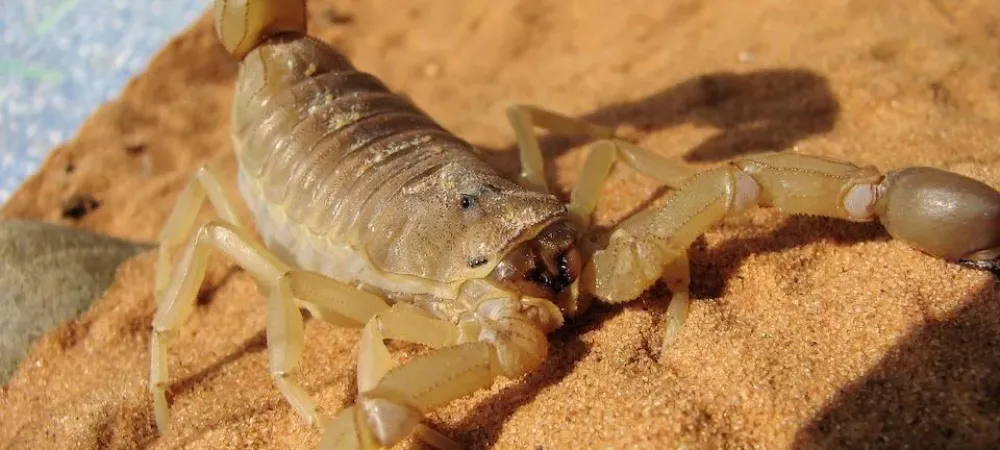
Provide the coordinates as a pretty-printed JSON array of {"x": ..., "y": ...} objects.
[{"x": 243, "y": 24}]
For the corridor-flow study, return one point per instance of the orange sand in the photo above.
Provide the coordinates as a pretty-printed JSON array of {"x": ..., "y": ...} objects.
[{"x": 805, "y": 332}]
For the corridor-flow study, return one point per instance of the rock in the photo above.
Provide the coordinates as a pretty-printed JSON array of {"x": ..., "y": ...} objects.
[{"x": 49, "y": 274}]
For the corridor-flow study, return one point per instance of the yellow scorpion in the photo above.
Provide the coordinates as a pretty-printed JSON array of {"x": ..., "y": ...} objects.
[{"x": 373, "y": 216}]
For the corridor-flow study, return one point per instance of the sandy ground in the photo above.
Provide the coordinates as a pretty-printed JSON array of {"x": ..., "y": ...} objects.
[{"x": 805, "y": 332}]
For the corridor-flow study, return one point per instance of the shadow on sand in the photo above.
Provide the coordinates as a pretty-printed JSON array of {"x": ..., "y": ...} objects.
[
  {"x": 759, "y": 111},
  {"x": 939, "y": 388}
]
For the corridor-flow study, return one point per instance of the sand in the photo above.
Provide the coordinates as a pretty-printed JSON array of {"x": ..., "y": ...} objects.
[{"x": 804, "y": 332}]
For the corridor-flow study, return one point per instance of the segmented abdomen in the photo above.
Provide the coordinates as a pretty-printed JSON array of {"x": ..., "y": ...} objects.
[{"x": 326, "y": 142}]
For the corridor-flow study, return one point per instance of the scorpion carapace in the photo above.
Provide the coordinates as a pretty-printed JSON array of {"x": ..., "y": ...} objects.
[
  {"x": 344, "y": 156},
  {"x": 374, "y": 216}
]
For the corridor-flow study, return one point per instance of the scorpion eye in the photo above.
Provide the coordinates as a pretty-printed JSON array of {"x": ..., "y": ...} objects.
[
  {"x": 467, "y": 202},
  {"x": 477, "y": 261}
]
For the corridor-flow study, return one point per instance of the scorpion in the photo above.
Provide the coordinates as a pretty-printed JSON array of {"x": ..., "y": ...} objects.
[{"x": 371, "y": 215}]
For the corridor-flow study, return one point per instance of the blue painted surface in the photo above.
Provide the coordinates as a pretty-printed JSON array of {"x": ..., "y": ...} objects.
[{"x": 60, "y": 59}]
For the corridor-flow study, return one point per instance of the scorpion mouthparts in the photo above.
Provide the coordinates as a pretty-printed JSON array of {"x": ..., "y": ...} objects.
[{"x": 544, "y": 266}]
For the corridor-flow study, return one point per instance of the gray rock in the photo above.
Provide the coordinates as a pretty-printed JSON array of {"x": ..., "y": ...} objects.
[{"x": 49, "y": 274}]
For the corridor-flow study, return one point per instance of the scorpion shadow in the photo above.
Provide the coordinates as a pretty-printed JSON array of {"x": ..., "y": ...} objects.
[
  {"x": 939, "y": 388},
  {"x": 716, "y": 266},
  {"x": 765, "y": 110}
]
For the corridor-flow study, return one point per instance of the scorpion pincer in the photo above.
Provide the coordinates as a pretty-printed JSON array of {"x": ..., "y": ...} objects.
[{"x": 374, "y": 216}]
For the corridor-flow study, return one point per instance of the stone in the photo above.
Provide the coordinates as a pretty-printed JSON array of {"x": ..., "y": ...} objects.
[{"x": 49, "y": 274}]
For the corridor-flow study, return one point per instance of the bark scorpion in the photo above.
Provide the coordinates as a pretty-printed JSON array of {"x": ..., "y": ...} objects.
[{"x": 373, "y": 216}]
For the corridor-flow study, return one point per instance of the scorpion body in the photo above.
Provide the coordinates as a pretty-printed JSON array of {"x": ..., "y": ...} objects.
[
  {"x": 373, "y": 216},
  {"x": 372, "y": 182}
]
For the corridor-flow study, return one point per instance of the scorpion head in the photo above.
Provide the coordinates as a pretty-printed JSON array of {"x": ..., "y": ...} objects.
[{"x": 544, "y": 266}]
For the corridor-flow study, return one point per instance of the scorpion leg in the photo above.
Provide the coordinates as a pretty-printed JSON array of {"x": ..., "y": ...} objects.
[
  {"x": 583, "y": 200},
  {"x": 392, "y": 401},
  {"x": 678, "y": 278},
  {"x": 941, "y": 213},
  {"x": 204, "y": 182},
  {"x": 601, "y": 155},
  {"x": 324, "y": 297},
  {"x": 523, "y": 118}
]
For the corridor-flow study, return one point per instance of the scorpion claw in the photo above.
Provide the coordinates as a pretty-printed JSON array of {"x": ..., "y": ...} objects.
[{"x": 941, "y": 213}]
